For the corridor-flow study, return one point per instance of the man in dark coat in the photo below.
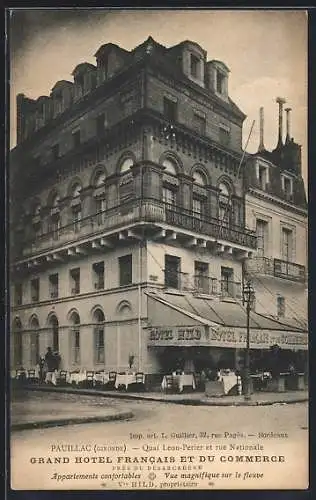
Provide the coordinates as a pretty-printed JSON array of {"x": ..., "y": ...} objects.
[{"x": 50, "y": 360}]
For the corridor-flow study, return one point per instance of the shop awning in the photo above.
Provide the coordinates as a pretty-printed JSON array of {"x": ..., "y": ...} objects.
[{"x": 185, "y": 320}]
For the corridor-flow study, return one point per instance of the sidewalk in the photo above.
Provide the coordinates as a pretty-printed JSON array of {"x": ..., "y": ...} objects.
[
  {"x": 31, "y": 414},
  {"x": 194, "y": 398}
]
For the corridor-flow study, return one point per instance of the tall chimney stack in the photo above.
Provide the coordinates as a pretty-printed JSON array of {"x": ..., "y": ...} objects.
[
  {"x": 280, "y": 101},
  {"x": 288, "y": 125},
  {"x": 261, "y": 144}
]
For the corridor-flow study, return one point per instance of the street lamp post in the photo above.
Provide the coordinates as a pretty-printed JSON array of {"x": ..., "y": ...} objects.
[{"x": 248, "y": 293}]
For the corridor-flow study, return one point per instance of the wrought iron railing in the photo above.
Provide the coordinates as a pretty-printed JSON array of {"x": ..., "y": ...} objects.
[
  {"x": 177, "y": 280},
  {"x": 144, "y": 210},
  {"x": 289, "y": 270},
  {"x": 231, "y": 289},
  {"x": 277, "y": 267},
  {"x": 205, "y": 285}
]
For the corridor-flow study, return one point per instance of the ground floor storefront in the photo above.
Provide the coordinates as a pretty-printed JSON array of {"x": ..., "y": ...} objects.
[{"x": 177, "y": 335}]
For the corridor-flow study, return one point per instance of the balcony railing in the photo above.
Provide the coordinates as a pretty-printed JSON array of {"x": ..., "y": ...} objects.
[
  {"x": 144, "y": 210},
  {"x": 177, "y": 280},
  {"x": 202, "y": 284},
  {"x": 231, "y": 289},
  {"x": 289, "y": 270},
  {"x": 205, "y": 285},
  {"x": 278, "y": 268}
]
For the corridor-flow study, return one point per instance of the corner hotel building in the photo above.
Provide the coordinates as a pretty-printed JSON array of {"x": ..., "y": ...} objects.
[{"x": 128, "y": 218}]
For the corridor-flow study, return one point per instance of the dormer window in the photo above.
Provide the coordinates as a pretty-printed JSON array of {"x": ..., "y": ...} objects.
[
  {"x": 218, "y": 78},
  {"x": 58, "y": 102},
  {"x": 194, "y": 66},
  {"x": 262, "y": 176},
  {"x": 287, "y": 186},
  {"x": 220, "y": 82}
]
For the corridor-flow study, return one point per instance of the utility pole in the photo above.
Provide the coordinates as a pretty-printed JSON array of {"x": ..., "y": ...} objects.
[{"x": 248, "y": 295}]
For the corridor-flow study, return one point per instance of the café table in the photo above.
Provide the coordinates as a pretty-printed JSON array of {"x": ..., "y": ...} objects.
[
  {"x": 126, "y": 379},
  {"x": 76, "y": 377},
  {"x": 180, "y": 381},
  {"x": 229, "y": 381},
  {"x": 100, "y": 378}
]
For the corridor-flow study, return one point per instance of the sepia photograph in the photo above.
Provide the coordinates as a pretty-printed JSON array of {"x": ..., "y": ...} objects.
[{"x": 158, "y": 222}]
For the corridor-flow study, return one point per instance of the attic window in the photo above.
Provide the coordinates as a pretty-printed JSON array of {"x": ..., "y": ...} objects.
[
  {"x": 263, "y": 176},
  {"x": 220, "y": 80},
  {"x": 287, "y": 185},
  {"x": 194, "y": 66}
]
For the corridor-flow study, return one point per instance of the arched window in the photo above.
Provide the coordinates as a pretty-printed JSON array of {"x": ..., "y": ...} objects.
[
  {"x": 224, "y": 204},
  {"x": 199, "y": 178},
  {"x": 170, "y": 183},
  {"x": 99, "y": 197},
  {"x": 17, "y": 343},
  {"x": 100, "y": 179},
  {"x": 34, "y": 338},
  {"x": 170, "y": 166},
  {"x": 54, "y": 327},
  {"x": 224, "y": 190},
  {"x": 126, "y": 164},
  {"x": 126, "y": 183},
  {"x": 76, "y": 207},
  {"x": 98, "y": 332},
  {"x": 75, "y": 338},
  {"x": 199, "y": 194},
  {"x": 36, "y": 218},
  {"x": 55, "y": 217}
]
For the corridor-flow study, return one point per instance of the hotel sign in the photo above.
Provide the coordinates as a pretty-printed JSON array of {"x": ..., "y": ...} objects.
[
  {"x": 225, "y": 337},
  {"x": 175, "y": 334}
]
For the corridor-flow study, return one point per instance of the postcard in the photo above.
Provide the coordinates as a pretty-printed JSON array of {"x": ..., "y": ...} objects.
[{"x": 158, "y": 258}]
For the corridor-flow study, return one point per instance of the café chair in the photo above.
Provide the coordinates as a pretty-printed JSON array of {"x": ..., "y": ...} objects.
[
  {"x": 111, "y": 383},
  {"x": 89, "y": 382},
  {"x": 62, "y": 377},
  {"x": 169, "y": 383},
  {"x": 31, "y": 376}
]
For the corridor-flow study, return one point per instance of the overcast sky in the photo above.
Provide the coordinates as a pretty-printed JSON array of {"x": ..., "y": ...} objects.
[{"x": 266, "y": 52}]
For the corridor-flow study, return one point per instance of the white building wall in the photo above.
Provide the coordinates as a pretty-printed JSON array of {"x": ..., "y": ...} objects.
[
  {"x": 156, "y": 261},
  {"x": 268, "y": 287}
]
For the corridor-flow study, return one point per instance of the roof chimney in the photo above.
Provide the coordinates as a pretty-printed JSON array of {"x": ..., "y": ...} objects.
[
  {"x": 280, "y": 101},
  {"x": 261, "y": 143},
  {"x": 288, "y": 124}
]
